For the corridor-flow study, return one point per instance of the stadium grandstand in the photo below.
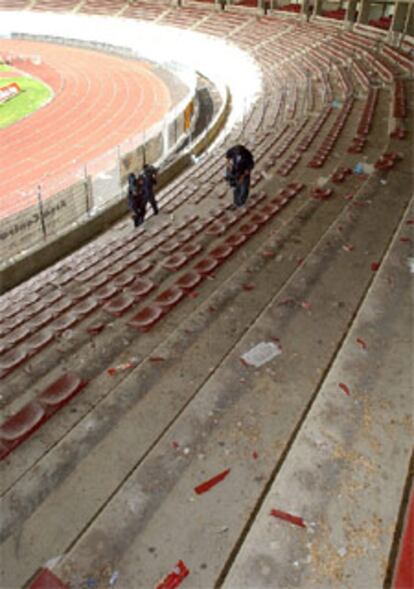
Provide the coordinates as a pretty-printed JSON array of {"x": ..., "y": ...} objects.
[{"x": 223, "y": 396}]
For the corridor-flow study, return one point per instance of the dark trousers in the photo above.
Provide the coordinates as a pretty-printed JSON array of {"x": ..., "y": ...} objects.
[
  {"x": 241, "y": 191},
  {"x": 138, "y": 215},
  {"x": 151, "y": 199}
]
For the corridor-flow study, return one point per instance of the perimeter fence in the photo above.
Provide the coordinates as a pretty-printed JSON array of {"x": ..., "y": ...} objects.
[{"x": 33, "y": 215}]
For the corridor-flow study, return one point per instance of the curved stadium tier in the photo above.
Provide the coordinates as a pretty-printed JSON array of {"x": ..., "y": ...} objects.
[{"x": 221, "y": 397}]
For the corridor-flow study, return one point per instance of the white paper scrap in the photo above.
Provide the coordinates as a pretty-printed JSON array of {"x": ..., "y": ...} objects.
[{"x": 262, "y": 353}]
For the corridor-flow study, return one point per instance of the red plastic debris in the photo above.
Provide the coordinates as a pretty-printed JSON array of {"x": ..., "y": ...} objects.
[
  {"x": 405, "y": 239},
  {"x": 374, "y": 266},
  {"x": 306, "y": 305},
  {"x": 347, "y": 247},
  {"x": 293, "y": 519},
  {"x": 255, "y": 455},
  {"x": 156, "y": 359},
  {"x": 362, "y": 343},
  {"x": 175, "y": 445},
  {"x": 175, "y": 578},
  {"x": 113, "y": 370},
  {"x": 47, "y": 580},
  {"x": 248, "y": 286},
  {"x": 410, "y": 222},
  {"x": 204, "y": 487},
  {"x": 344, "y": 388}
]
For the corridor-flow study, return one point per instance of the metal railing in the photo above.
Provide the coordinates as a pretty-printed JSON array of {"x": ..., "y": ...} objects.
[{"x": 34, "y": 214}]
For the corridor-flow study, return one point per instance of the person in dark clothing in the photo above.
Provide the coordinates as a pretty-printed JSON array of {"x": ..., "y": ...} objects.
[
  {"x": 240, "y": 163},
  {"x": 136, "y": 200},
  {"x": 149, "y": 180}
]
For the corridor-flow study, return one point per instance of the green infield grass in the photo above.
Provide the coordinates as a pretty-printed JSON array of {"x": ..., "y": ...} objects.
[{"x": 34, "y": 95}]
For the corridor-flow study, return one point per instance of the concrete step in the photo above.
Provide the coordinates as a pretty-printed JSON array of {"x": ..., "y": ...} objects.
[
  {"x": 346, "y": 470},
  {"x": 237, "y": 412}
]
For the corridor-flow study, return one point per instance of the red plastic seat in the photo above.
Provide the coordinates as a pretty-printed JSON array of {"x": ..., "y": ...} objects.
[
  {"x": 170, "y": 247},
  {"x": 120, "y": 304},
  {"x": 61, "y": 390},
  {"x": 47, "y": 580},
  {"x": 191, "y": 249},
  {"x": 23, "y": 423},
  {"x": 185, "y": 236},
  {"x": 10, "y": 360},
  {"x": 170, "y": 297},
  {"x": 16, "y": 336},
  {"x": 38, "y": 342},
  {"x": 80, "y": 291},
  {"x": 52, "y": 297},
  {"x": 124, "y": 279},
  {"x": 270, "y": 209},
  {"x": 140, "y": 287},
  {"x": 116, "y": 268},
  {"x": 236, "y": 239},
  {"x": 98, "y": 280},
  {"x": 38, "y": 321},
  {"x": 147, "y": 317},
  {"x": 106, "y": 292},
  {"x": 259, "y": 218},
  {"x": 142, "y": 267},
  {"x": 216, "y": 228},
  {"x": 249, "y": 228},
  {"x": 189, "y": 280},
  {"x": 206, "y": 265},
  {"x": 222, "y": 252},
  {"x": 64, "y": 322},
  {"x": 60, "y": 306},
  {"x": 175, "y": 261}
]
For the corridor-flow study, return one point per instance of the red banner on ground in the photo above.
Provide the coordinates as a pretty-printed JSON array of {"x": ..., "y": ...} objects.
[{"x": 9, "y": 91}]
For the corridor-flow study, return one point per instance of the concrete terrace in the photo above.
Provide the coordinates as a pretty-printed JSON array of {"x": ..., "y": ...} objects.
[{"x": 138, "y": 432}]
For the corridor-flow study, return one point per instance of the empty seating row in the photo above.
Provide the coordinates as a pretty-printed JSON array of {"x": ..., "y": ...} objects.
[
  {"x": 147, "y": 317},
  {"x": 365, "y": 122},
  {"x": 328, "y": 143},
  {"x": 17, "y": 428}
]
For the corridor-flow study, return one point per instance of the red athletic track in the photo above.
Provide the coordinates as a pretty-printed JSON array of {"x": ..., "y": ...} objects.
[{"x": 100, "y": 101}]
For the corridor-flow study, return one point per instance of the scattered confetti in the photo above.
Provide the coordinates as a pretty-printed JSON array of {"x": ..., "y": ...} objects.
[
  {"x": 204, "y": 487},
  {"x": 175, "y": 578},
  {"x": 344, "y": 388},
  {"x": 293, "y": 519}
]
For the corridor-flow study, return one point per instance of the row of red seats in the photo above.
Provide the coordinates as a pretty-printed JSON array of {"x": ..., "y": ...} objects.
[
  {"x": 365, "y": 122},
  {"x": 400, "y": 101},
  {"x": 328, "y": 143},
  {"x": 290, "y": 8},
  {"x": 17, "y": 428},
  {"x": 387, "y": 161},
  {"x": 384, "y": 22},
  {"x": 338, "y": 14},
  {"x": 147, "y": 317}
]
